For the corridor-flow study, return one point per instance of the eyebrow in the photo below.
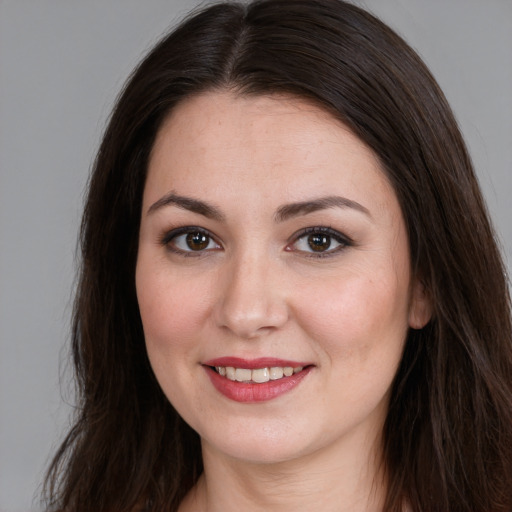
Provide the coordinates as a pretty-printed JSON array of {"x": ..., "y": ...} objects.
[
  {"x": 282, "y": 214},
  {"x": 288, "y": 211},
  {"x": 188, "y": 203}
]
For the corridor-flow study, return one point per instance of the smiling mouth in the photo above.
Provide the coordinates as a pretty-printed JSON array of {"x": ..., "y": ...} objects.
[
  {"x": 255, "y": 380},
  {"x": 256, "y": 375}
]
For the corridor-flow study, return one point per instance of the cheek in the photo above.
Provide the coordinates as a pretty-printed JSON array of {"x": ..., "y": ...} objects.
[
  {"x": 171, "y": 317},
  {"x": 171, "y": 312},
  {"x": 360, "y": 325},
  {"x": 357, "y": 314}
]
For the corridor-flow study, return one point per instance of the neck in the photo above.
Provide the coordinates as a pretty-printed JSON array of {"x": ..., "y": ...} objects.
[{"x": 337, "y": 479}]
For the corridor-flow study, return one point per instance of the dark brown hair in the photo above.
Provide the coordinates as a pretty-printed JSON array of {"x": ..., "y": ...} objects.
[{"x": 448, "y": 433}]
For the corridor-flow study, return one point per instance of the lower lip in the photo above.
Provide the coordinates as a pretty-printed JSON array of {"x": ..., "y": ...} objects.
[{"x": 248, "y": 392}]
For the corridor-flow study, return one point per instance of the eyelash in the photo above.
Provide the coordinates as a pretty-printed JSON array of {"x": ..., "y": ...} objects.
[
  {"x": 343, "y": 241},
  {"x": 340, "y": 238},
  {"x": 169, "y": 236}
]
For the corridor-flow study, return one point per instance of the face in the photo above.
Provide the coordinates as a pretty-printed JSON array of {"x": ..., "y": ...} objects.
[{"x": 273, "y": 277}]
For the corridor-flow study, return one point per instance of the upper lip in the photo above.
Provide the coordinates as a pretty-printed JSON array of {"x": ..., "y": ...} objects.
[{"x": 260, "y": 362}]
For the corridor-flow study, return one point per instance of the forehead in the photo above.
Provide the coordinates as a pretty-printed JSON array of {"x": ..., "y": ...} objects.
[
  {"x": 208, "y": 119},
  {"x": 274, "y": 145}
]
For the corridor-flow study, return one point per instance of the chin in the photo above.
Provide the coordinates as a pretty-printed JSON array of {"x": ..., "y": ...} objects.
[
  {"x": 254, "y": 452},
  {"x": 268, "y": 444}
]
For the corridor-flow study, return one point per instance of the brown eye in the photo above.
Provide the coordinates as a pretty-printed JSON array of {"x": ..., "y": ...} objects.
[
  {"x": 190, "y": 241},
  {"x": 319, "y": 242},
  {"x": 197, "y": 241}
]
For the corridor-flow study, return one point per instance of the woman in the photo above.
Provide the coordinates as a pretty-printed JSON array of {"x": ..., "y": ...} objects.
[{"x": 290, "y": 296}]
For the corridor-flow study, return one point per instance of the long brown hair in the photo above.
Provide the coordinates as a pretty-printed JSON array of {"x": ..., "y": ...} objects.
[{"x": 448, "y": 434}]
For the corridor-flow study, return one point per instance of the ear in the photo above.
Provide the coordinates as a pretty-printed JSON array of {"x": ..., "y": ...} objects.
[{"x": 420, "y": 309}]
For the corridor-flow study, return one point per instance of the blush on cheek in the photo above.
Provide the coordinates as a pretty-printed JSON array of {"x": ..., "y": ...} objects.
[
  {"x": 359, "y": 314},
  {"x": 167, "y": 325},
  {"x": 156, "y": 305},
  {"x": 169, "y": 320}
]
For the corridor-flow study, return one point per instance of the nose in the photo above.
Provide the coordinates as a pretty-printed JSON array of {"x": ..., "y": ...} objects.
[{"x": 252, "y": 298}]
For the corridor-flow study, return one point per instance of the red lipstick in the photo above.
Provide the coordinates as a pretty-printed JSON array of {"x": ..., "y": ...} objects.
[{"x": 248, "y": 392}]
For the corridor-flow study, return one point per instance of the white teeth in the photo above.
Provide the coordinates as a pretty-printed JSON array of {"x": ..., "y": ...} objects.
[
  {"x": 276, "y": 373},
  {"x": 258, "y": 375},
  {"x": 243, "y": 375}
]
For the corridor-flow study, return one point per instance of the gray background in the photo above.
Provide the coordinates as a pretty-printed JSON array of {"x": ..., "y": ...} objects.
[{"x": 61, "y": 66}]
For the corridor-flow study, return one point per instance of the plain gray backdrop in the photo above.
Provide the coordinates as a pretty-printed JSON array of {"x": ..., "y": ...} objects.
[{"x": 61, "y": 66}]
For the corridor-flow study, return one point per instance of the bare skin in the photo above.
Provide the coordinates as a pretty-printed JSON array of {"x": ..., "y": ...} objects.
[{"x": 269, "y": 230}]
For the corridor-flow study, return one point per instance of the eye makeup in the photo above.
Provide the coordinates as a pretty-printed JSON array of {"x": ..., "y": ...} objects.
[
  {"x": 189, "y": 241},
  {"x": 319, "y": 242},
  {"x": 314, "y": 241}
]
